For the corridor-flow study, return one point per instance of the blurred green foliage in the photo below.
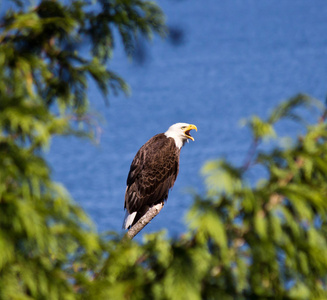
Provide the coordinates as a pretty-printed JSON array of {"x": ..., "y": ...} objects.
[
  {"x": 48, "y": 55},
  {"x": 264, "y": 240}
]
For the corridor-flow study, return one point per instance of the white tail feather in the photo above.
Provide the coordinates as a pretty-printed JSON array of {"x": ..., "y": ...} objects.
[{"x": 128, "y": 220}]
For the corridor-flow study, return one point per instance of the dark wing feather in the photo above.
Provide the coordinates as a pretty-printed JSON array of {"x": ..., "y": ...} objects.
[{"x": 153, "y": 172}]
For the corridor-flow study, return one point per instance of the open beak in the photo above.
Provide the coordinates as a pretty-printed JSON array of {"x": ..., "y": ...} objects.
[{"x": 187, "y": 131}]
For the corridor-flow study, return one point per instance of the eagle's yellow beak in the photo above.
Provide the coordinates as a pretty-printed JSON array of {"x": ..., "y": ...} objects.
[{"x": 188, "y": 129}]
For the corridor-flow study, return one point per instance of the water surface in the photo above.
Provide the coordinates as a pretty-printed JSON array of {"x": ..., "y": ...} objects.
[{"x": 232, "y": 60}]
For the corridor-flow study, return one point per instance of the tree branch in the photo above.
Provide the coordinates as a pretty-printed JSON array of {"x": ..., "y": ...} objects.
[{"x": 144, "y": 220}]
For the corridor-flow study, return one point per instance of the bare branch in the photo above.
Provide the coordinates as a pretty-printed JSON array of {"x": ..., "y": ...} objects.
[
  {"x": 250, "y": 155},
  {"x": 144, "y": 220}
]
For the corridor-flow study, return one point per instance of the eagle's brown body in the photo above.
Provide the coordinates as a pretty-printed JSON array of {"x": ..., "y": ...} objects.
[{"x": 152, "y": 173}]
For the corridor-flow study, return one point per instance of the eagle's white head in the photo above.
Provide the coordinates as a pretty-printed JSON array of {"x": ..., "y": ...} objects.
[{"x": 180, "y": 132}]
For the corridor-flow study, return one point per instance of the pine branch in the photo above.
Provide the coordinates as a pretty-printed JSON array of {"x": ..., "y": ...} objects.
[{"x": 142, "y": 222}]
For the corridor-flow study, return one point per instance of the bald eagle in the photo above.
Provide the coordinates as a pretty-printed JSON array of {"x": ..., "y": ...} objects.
[{"x": 154, "y": 170}]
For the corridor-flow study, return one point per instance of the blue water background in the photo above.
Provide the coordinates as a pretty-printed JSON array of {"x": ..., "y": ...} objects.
[{"x": 232, "y": 59}]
